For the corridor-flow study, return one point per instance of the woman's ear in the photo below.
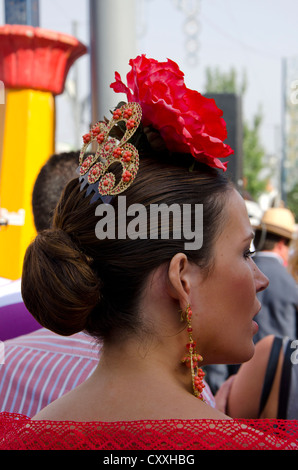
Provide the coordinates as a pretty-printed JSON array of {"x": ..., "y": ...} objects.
[{"x": 179, "y": 279}]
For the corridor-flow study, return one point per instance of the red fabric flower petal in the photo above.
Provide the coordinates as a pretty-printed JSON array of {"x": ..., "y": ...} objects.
[
  {"x": 119, "y": 87},
  {"x": 186, "y": 120}
]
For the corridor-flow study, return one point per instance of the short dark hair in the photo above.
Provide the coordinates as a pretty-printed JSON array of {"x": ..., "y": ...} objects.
[
  {"x": 267, "y": 240},
  {"x": 50, "y": 182}
]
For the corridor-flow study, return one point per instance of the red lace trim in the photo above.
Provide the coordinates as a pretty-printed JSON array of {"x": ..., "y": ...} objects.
[{"x": 21, "y": 433}]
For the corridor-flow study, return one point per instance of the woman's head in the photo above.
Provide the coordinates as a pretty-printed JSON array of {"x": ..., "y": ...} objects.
[{"x": 73, "y": 281}]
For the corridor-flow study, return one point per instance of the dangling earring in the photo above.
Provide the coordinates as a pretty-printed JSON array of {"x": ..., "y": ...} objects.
[{"x": 192, "y": 358}]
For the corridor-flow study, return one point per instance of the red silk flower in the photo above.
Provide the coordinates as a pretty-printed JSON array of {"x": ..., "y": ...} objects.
[{"x": 187, "y": 121}]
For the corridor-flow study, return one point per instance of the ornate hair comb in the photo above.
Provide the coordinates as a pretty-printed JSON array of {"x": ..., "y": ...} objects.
[{"x": 93, "y": 170}]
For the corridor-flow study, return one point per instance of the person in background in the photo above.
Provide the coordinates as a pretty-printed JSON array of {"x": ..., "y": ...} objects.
[
  {"x": 279, "y": 312},
  {"x": 265, "y": 386}
]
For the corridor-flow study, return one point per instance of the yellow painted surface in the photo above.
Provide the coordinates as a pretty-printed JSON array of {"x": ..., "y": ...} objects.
[{"x": 27, "y": 142}]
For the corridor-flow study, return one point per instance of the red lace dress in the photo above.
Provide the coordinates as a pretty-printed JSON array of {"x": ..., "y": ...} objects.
[{"x": 21, "y": 433}]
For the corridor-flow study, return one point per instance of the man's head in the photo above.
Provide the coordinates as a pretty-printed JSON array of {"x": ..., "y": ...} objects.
[
  {"x": 275, "y": 231},
  {"x": 51, "y": 180}
]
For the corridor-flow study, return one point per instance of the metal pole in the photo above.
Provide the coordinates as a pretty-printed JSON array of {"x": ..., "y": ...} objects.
[
  {"x": 112, "y": 44},
  {"x": 75, "y": 98},
  {"x": 284, "y": 132}
]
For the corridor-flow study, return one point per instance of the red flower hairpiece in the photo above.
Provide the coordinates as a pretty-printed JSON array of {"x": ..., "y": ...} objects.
[{"x": 187, "y": 121}]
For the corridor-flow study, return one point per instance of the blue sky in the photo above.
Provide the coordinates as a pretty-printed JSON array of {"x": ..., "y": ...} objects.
[{"x": 252, "y": 36}]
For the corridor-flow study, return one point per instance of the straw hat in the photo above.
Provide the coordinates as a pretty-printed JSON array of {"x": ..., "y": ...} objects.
[{"x": 278, "y": 220}]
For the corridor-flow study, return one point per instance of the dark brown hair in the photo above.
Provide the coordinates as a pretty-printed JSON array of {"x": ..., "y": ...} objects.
[
  {"x": 267, "y": 240},
  {"x": 50, "y": 182},
  {"x": 72, "y": 281}
]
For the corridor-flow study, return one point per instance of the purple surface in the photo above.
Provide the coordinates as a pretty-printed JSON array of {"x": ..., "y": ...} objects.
[{"x": 15, "y": 320}]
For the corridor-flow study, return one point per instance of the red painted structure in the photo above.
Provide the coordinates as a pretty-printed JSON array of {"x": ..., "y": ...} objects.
[{"x": 36, "y": 58}]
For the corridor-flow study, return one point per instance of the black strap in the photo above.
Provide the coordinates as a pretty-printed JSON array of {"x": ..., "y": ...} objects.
[
  {"x": 270, "y": 372},
  {"x": 285, "y": 383}
]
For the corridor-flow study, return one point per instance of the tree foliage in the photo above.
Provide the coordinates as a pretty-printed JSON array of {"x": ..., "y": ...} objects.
[
  {"x": 218, "y": 81},
  {"x": 253, "y": 154},
  {"x": 292, "y": 201}
]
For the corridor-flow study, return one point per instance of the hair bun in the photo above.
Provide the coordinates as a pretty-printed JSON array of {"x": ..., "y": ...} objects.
[{"x": 68, "y": 288}]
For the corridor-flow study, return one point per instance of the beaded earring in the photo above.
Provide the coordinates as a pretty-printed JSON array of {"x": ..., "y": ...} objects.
[{"x": 192, "y": 358}]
